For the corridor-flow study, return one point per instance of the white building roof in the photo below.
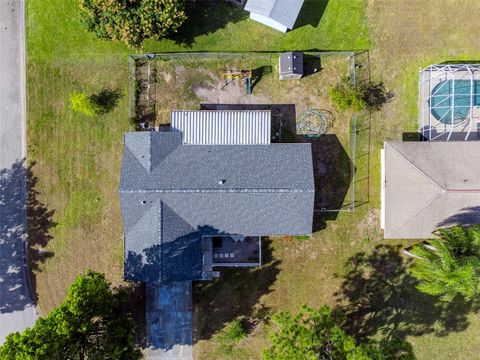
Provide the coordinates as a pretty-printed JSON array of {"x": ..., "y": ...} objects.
[
  {"x": 429, "y": 185},
  {"x": 284, "y": 12},
  {"x": 222, "y": 127}
]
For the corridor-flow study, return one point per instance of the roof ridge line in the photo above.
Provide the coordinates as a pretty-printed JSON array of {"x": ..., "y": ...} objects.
[
  {"x": 462, "y": 191},
  {"x": 273, "y": 6},
  {"x": 423, "y": 173},
  {"x": 141, "y": 216},
  {"x": 233, "y": 190}
]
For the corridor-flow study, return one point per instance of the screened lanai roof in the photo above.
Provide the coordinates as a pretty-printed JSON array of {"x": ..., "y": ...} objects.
[{"x": 449, "y": 101}]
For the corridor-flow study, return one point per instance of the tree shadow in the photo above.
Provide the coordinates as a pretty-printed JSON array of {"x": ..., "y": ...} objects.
[
  {"x": 205, "y": 17},
  {"x": 468, "y": 216},
  {"x": 106, "y": 100},
  {"x": 18, "y": 202},
  {"x": 40, "y": 221},
  {"x": 236, "y": 293},
  {"x": 135, "y": 309},
  {"x": 311, "y": 13},
  {"x": 376, "y": 95},
  {"x": 381, "y": 299}
]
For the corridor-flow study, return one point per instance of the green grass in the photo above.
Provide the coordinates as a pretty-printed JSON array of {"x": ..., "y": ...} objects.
[{"x": 78, "y": 158}]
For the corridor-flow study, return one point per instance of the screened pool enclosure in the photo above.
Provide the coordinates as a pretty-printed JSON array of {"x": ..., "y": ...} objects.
[{"x": 450, "y": 102}]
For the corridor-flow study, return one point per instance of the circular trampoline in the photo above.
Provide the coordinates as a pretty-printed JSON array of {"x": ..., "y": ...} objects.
[
  {"x": 453, "y": 100},
  {"x": 312, "y": 124}
]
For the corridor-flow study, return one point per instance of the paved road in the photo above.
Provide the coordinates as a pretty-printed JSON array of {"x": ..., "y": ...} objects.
[{"x": 16, "y": 307}]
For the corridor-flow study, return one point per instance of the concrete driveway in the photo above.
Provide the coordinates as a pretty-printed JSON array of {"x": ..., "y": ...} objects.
[{"x": 17, "y": 309}]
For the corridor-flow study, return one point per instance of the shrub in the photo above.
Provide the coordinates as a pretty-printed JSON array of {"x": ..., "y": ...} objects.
[
  {"x": 82, "y": 103},
  {"x": 235, "y": 331},
  {"x": 132, "y": 21},
  {"x": 96, "y": 104},
  {"x": 232, "y": 334},
  {"x": 346, "y": 97}
]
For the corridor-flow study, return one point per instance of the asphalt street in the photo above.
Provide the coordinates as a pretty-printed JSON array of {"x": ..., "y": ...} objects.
[{"x": 17, "y": 309}]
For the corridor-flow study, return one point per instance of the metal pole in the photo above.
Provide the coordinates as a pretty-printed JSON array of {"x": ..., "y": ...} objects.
[
  {"x": 453, "y": 106},
  {"x": 471, "y": 104}
]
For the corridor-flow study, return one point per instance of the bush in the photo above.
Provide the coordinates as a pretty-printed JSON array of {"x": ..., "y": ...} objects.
[
  {"x": 132, "y": 21},
  {"x": 232, "y": 334},
  {"x": 235, "y": 331},
  {"x": 346, "y": 97},
  {"x": 82, "y": 103},
  {"x": 96, "y": 104}
]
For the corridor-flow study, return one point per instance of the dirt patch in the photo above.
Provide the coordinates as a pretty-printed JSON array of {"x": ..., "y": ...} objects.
[{"x": 232, "y": 93}]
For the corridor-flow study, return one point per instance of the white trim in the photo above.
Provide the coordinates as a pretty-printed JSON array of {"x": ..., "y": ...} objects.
[
  {"x": 269, "y": 22},
  {"x": 236, "y": 264},
  {"x": 382, "y": 190}
]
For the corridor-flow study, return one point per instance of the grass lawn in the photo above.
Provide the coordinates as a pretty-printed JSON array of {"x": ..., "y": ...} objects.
[{"x": 77, "y": 163}]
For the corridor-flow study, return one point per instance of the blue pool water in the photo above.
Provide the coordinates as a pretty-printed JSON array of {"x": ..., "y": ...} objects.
[{"x": 441, "y": 100}]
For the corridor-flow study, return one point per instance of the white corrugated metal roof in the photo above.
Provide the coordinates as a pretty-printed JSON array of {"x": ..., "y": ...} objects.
[{"x": 222, "y": 127}]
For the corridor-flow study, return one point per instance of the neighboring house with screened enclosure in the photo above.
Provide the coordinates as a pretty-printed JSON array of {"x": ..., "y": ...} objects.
[{"x": 201, "y": 197}]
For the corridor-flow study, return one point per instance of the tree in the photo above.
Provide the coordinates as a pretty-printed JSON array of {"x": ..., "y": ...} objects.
[
  {"x": 318, "y": 334},
  {"x": 449, "y": 266},
  {"x": 132, "y": 21},
  {"x": 91, "y": 324}
]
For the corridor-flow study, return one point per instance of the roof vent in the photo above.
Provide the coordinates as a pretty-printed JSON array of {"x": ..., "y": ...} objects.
[
  {"x": 221, "y": 182},
  {"x": 144, "y": 201}
]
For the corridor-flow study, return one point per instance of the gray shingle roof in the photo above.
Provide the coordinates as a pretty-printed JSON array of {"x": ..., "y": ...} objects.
[
  {"x": 172, "y": 194},
  {"x": 283, "y": 11},
  {"x": 430, "y": 185}
]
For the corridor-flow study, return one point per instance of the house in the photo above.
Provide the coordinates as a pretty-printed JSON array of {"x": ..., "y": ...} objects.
[
  {"x": 199, "y": 198},
  {"x": 278, "y": 14},
  {"x": 428, "y": 185}
]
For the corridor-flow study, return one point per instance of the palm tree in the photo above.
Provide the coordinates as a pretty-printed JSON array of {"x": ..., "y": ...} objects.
[{"x": 449, "y": 266}]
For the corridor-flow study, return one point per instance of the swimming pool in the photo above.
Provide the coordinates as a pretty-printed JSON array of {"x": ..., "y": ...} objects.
[{"x": 441, "y": 100}]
